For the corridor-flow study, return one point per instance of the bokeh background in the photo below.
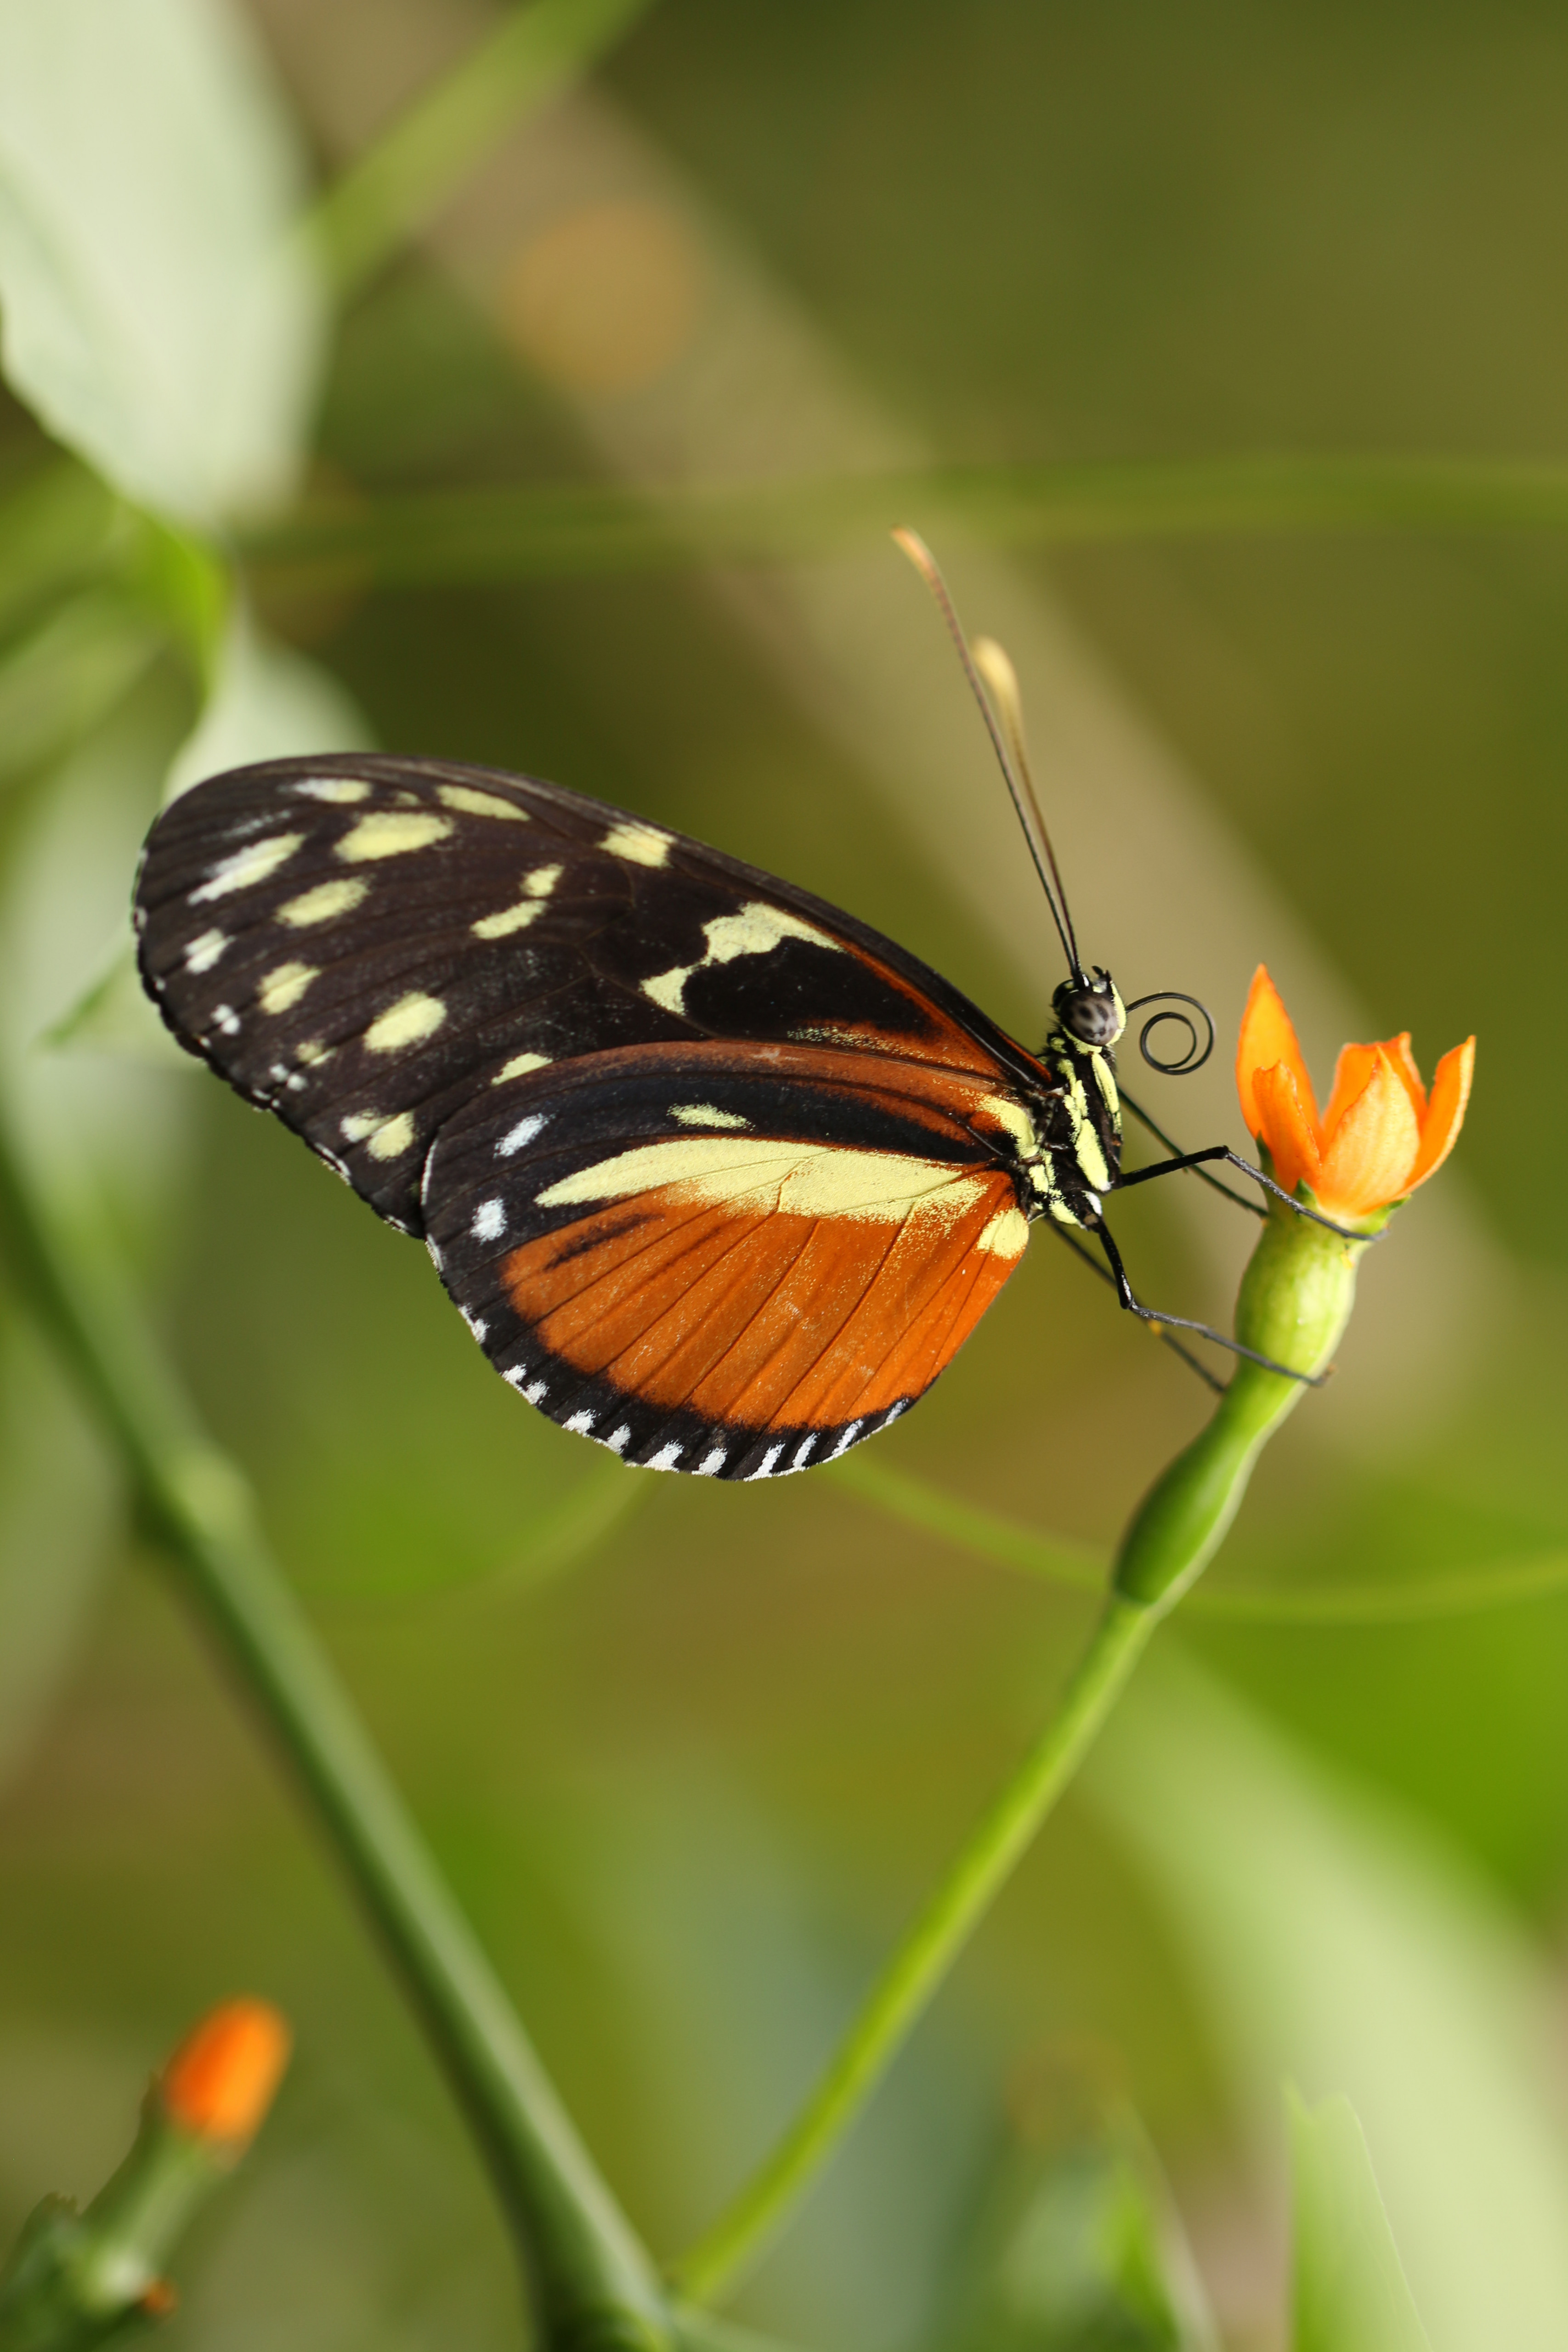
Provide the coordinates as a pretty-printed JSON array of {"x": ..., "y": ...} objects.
[{"x": 690, "y": 1754}]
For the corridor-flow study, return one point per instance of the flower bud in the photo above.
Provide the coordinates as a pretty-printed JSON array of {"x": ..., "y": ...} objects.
[{"x": 221, "y": 2080}]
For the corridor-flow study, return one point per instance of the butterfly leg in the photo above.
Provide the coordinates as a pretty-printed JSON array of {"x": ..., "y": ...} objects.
[
  {"x": 1196, "y": 1159},
  {"x": 1168, "y": 1339},
  {"x": 1186, "y": 1322}
]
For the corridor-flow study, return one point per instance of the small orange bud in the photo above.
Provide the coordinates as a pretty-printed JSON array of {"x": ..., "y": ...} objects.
[{"x": 220, "y": 2081}]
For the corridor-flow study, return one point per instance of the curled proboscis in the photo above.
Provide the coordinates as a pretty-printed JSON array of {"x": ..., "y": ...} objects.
[{"x": 1200, "y": 1042}]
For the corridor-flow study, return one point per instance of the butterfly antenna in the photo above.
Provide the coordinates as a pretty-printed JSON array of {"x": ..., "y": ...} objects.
[{"x": 987, "y": 667}]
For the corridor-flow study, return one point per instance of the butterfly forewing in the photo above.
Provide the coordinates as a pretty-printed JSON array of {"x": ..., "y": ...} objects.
[
  {"x": 718, "y": 1175},
  {"x": 353, "y": 941}
]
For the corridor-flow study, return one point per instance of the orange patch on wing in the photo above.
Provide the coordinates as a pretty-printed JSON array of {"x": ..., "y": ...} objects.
[{"x": 761, "y": 1318}]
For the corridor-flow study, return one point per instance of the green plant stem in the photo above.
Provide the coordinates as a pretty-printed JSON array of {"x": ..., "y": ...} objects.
[
  {"x": 504, "y": 531},
  {"x": 1295, "y": 1298},
  {"x": 924, "y": 1957},
  {"x": 593, "y": 2283},
  {"x": 449, "y": 132}
]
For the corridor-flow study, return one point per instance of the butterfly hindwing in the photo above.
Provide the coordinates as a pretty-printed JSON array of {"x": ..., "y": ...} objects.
[
  {"x": 723, "y": 1263},
  {"x": 364, "y": 945}
]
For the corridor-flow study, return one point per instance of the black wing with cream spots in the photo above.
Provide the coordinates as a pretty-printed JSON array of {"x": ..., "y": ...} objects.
[{"x": 366, "y": 945}]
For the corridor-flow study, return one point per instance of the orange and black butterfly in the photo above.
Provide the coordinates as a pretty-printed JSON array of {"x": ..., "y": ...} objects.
[{"x": 717, "y": 1175}]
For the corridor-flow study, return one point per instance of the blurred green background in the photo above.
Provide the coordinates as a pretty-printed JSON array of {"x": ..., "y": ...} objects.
[{"x": 689, "y": 1754}]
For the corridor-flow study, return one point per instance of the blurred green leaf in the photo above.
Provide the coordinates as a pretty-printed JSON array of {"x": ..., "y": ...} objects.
[
  {"x": 534, "y": 54},
  {"x": 60, "y": 680},
  {"x": 1335, "y": 1942},
  {"x": 58, "y": 528},
  {"x": 1076, "y": 2245},
  {"x": 1350, "y": 2293},
  {"x": 158, "y": 317},
  {"x": 267, "y": 701}
]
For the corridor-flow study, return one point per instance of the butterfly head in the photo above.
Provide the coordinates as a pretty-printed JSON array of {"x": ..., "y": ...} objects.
[{"x": 1091, "y": 1010}]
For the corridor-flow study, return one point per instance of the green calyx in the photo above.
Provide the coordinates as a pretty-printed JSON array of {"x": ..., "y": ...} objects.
[{"x": 1295, "y": 1300}]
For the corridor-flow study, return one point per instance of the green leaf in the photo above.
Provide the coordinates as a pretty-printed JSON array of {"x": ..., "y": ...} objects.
[
  {"x": 267, "y": 701},
  {"x": 1350, "y": 2293},
  {"x": 1077, "y": 2246},
  {"x": 1333, "y": 1941},
  {"x": 67, "y": 674},
  {"x": 158, "y": 315},
  {"x": 531, "y": 57}
]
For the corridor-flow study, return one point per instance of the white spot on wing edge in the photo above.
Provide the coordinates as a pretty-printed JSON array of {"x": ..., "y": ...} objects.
[
  {"x": 803, "y": 1451},
  {"x": 666, "y": 1458},
  {"x": 847, "y": 1440},
  {"x": 536, "y": 1391},
  {"x": 712, "y": 1464},
  {"x": 581, "y": 1423},
  {"x": 618, "y": 1439},
  {"x": 256, "y": 862},
  {"x": 765, "y": 1468}
]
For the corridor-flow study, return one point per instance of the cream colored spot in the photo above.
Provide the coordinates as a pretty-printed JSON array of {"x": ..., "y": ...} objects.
[
  {"x": 537, "y": 888},
  {"x": 509, "y": 920},
  {"x": 705, "y": 1114},
  {"x": 757, "y": 929},
  {"x": 202, "y": 953},
  {"x": 324, "y": 904},
  {"x": 392, "y": 832},
  {"x": 256, "y": 862},
  {"x": 519, "y": 1065},
  {"x": 765, "y": 1178},
  {"x": 343, "y": 788},
  {"x": 1007, "y": 1234},
  {"x": 393, "y": 1137},
  {"x": 356, "y": 1125},
  {"x": 284, "y": 985},
  {"x": 478, "y": 804},
  {"x": 313, "y": 1052},
  {"x": 641, "y": 843},
  {"x": 409, "y": 1021},
  {"x": 1010, "y": 1115}
]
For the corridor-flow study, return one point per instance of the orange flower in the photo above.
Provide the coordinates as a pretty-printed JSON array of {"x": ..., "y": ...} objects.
[
  {"x": 220, "y": 2081},
  {"x": 1381, "y": 1135}
]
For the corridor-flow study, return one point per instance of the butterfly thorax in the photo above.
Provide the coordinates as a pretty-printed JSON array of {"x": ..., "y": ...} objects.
[{"x": 1079, "y": 1122}]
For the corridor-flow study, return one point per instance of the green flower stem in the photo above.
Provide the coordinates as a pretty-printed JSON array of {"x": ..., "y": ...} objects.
[
  {"x": 1295, "y": 1298},
  {"x": 593, "y": 2283}
]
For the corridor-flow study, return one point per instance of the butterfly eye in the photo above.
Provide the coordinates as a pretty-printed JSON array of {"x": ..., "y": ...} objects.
[{"x": 1094, "y": 1013}]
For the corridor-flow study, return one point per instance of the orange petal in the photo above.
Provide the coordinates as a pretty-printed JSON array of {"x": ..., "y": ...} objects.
[
  {"x": 1352, "y": 1071},
  {"x": 1368, "y": 1164},
  {"x": 220, "y": 2081},
  {"x": 1267, "y": 1040},
  {"x": 1445, "y": 1115},
  {"x": 1283, "y": 1124},
  {"x": 1355, "y": 1068},
  {"x": 1404, "y": 1060}
]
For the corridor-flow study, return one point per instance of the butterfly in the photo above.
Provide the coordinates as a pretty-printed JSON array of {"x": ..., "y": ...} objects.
[{"x": 716, "y": 1174}]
